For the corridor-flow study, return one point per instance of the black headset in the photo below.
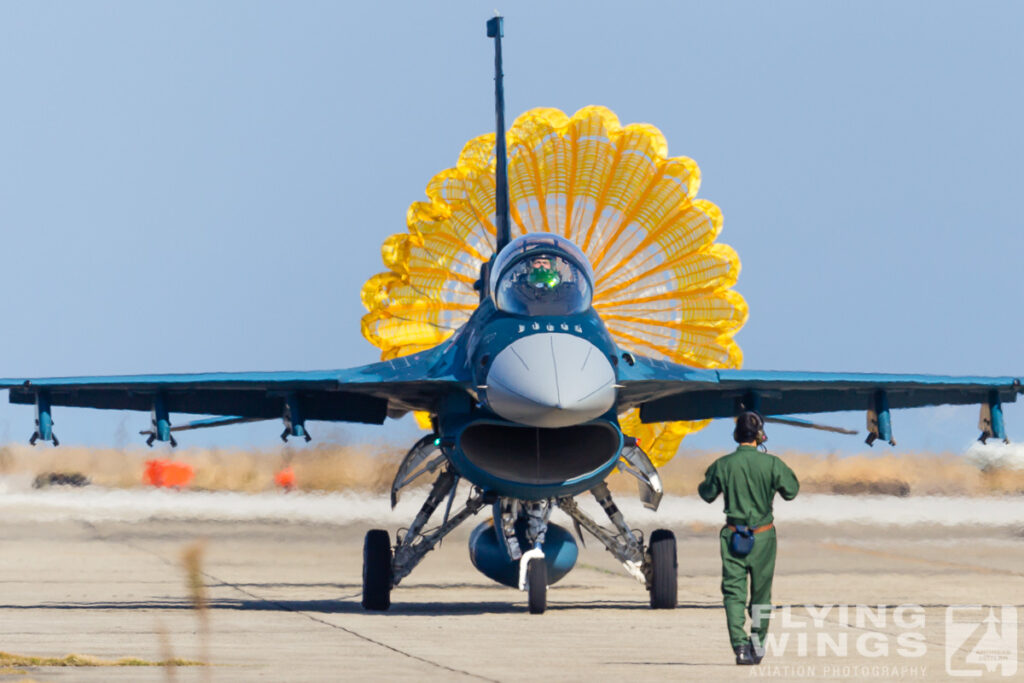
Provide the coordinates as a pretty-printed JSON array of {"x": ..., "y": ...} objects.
[{"x": 747, "y": 417}]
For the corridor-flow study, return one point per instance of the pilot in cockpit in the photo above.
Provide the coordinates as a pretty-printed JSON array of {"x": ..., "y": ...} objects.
[
  {"x": 541, "y": 287},
  {"x": 543, "y": 284},
  {"x": 538, "y": 281},
  {"x": 541, "y": 275}
]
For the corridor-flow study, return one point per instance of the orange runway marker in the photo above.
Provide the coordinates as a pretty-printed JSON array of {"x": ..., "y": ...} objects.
[
  {"x": 168, "y": 474},
  {"x": 285, "y": 478}
]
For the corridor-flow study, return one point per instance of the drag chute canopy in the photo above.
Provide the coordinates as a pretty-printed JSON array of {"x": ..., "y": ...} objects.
[{"x": 542, "y": 274}]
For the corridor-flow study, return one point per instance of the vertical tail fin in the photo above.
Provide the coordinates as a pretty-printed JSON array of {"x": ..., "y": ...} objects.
[{"x": 495, "y": 29}]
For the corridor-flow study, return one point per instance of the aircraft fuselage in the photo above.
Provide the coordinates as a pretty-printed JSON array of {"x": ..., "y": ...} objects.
[{"x": 544, "y": 422}]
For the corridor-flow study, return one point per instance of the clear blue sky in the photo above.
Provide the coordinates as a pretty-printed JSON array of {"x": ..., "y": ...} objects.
[{"x": 192, "y": 186}]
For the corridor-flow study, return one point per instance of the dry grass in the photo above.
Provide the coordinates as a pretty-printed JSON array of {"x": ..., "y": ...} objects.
[
  {"x": 192, "y": 557},
  {"x": 332, "y": 467},
  {"x": 323, "y": 467},
  {"x": 8, "y": 659},
  {"x": 192, "y": 560},
  {"x": 166, "y": 652}
]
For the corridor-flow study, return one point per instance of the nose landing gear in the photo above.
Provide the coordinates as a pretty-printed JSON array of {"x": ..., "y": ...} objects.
[{"x": 536, "y": 584}]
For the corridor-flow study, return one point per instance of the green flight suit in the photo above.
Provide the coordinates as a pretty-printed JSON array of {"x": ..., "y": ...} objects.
[{"x": 748, "y": 479}]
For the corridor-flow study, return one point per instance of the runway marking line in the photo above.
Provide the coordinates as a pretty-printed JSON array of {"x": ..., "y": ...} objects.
[{"x": 98, "y": 534}]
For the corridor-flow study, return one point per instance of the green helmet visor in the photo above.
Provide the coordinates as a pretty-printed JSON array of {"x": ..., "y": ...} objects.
[{"x": 544, "y": 278}]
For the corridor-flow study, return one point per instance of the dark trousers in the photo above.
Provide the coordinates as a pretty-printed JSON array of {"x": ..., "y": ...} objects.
[{"x": 760, "y": 566}]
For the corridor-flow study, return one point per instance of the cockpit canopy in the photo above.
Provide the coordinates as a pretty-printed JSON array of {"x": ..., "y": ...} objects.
[{"x": 542, "y": 274}]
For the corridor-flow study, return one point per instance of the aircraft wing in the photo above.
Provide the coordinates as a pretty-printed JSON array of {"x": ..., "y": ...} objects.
[
  {"x": 365, "y": 394},
  {"x": 666, "y": 391}
]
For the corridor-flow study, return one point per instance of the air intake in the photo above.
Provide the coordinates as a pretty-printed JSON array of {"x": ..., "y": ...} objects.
[{"x": 533, "y": 455}]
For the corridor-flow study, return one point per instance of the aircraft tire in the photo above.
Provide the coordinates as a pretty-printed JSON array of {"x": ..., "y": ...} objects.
[
  {"x": 537, "y": 585},
  {"x": 664, "y": 570},
  {"x": 377, "y": 570}
]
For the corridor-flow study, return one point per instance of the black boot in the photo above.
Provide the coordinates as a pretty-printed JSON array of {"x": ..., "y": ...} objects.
[
  {"x": 757, "y": 650},
  {"x": 744, "y": 654}
]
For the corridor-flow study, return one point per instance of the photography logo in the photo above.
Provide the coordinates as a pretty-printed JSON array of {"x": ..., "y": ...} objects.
[{"x": 981, "y": 640}]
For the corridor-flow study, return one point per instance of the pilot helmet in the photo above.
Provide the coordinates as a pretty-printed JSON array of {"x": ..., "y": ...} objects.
[{"x": 543, "y": 276}]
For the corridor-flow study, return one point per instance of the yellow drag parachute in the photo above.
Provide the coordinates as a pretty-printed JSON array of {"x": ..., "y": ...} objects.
[{"x": 663, "y": 285}]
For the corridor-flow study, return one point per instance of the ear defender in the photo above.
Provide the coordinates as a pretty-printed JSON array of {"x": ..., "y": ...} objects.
[{"x": 761, "y": 436}]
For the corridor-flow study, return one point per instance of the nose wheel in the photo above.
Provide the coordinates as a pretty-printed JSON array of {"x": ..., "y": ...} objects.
[
  {"x": 537, "y": 585},
  {"x": 377, "y": 570}
]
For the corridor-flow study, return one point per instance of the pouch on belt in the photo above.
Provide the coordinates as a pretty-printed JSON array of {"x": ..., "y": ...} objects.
[{"x": 742, "y": 541}]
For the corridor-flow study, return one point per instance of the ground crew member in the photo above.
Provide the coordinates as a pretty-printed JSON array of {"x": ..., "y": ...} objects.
[{"x": 748, "y": 480}]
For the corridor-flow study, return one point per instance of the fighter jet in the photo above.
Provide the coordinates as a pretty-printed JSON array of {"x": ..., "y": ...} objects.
[{"x": 524, "y": 401}]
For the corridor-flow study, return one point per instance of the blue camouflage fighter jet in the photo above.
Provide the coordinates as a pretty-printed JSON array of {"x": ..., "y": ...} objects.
[{"x": 525, "y": 399}]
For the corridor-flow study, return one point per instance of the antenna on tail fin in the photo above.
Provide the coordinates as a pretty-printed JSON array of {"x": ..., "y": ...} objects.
[{"x": 495, "y": 29}]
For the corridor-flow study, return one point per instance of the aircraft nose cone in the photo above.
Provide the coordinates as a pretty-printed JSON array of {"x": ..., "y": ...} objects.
[{"x": 550, "y": 380}]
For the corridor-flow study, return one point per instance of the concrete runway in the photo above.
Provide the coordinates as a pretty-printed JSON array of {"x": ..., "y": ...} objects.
[{"x": 284, "y": 605}]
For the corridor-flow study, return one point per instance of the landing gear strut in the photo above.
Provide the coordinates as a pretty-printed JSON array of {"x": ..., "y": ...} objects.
[{"x": 533, "y": 568}]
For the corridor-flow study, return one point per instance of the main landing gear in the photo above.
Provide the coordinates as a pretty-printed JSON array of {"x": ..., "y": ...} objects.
[
  {"x": 662, "y": 569},
  {"x": 655, "y": 565},
  {"x": 383, "y": 570},
  {"x": 519, "y": 547},
  {"x": 377, "y": 570}
]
